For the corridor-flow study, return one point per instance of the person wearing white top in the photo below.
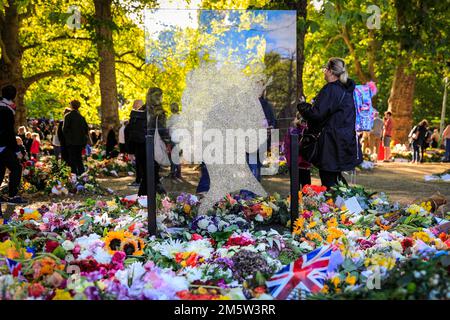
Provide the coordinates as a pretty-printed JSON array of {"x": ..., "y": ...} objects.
[
  {"x": 56, "y": 144},
  {"x": 122, "y": 137}
]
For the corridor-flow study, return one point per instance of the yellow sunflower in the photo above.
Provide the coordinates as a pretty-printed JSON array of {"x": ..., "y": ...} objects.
[
  {"x": 141, "y": 246},
  {"x": 129, "y": 246},
  {"x": 114, "y": 240}
]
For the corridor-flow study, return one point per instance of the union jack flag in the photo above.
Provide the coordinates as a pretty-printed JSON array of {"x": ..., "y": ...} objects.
[
  {"x": 14, "y": 267},
  {"x": 306, "y": 274}
]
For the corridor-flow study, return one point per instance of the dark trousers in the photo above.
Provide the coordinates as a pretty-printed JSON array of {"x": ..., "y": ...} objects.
[
  {"x": 76, "y": 159},
  {"x": 64, "y": 154},
  {"x": 417, "y": 152},
  {"x": 447, "y": 149},
  {"x": 330, "y": 179},
  {"x": 139, "y": 161},
  {"x": 141, "y": 158},
  {"x": 57, "y": 152},
  {"x": 8, "y": 159},
  {"x": 175, "y": 170}
]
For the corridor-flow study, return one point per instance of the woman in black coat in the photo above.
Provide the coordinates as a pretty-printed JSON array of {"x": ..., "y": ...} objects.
[
  {"x": 418, "y": 135},
  {"x": 332, "y": 118},
  {"x": 139, "y": 126}
]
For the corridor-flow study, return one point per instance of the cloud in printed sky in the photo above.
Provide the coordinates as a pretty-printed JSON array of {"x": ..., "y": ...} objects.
[{"x": 282, "y": 33}]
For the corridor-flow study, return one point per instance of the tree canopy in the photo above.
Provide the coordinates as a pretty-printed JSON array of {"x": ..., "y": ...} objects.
[{"x": 407, "y": 48}]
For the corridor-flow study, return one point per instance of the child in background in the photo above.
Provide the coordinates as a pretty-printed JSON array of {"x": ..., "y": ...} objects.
[
  {"x": 28, "y": 141},
  {"x": 21, "y": 151},
  {"x": 35, "y": 145},
  {"x": 299, "y": 127}
]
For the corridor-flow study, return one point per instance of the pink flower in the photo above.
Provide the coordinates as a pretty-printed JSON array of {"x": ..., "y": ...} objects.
[
  {"x": 196, "y": 237},
  {"x": 167, "y": 205},
  {"x": 117, "y": 260},
  {"x": 307, "y": 214},
  {"x": 365, "y": 244}
]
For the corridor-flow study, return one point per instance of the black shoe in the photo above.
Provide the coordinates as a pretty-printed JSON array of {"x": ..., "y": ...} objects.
[{"x": 17, "y": 200}]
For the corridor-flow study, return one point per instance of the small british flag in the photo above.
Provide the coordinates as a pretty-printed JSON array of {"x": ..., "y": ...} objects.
[
  {"x": 307, "y": 274},
  {"x": 14, "y": 267}
]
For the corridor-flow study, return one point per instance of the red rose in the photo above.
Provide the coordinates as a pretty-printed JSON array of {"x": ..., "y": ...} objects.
[
  {"x": 51, "y": 245},
  {"x": 407, "y": 243}
]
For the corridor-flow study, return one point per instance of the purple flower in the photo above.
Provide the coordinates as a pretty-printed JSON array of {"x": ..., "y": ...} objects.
[
  {"x": 324, "y": 208},
  {"x": 92, "y": 293},
  {"x": 226, "y": 262}
]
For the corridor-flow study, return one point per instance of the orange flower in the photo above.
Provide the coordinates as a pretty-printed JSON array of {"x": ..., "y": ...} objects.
[{"x": 382, "y": 226}]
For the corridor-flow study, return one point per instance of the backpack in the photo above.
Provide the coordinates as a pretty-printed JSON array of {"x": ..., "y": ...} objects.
[
  {"x": 412, "y": 134},
  {"x": 365, "y": 113}
]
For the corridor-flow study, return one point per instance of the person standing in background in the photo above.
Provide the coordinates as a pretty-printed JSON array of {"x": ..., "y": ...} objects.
[
  {"x": 122, "y": 148},
  {"x": 35, "y": 146},
  {"x": 28, "y": 141},
  {"x": 75, "y": 132},
  {"x": 446, "y": 138},
  {"x": 435, "y": 139},
  {"x": 418, "y": 135},
  {"x": 299, "y": 127},
  {"x": 111, "y": 142},
  {"x": 375, "y": 135},
  {"x": 387, "y": 135},
  {"x": 8, "y": 145},
  {"x": 21, "y": 151},
  {"x": 62, "y": 140},
  {"x": 132, "y": 139},
  {"x": 22, "y": 133}
]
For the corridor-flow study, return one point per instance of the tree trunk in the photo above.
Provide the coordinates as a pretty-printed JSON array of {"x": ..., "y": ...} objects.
[
  {"x": 11, "y": 72},
  {"x": 401, "y": 101},
  {"x": 108, "y": 84}
]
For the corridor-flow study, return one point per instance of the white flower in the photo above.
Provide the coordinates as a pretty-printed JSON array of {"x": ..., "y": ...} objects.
[
  {"x": 305, "y": 246},
  {"x": 102, "y": 256},
  {"x": 259, "y": 218},
  {"x": 87, "y": 241},
  {"x": 201, "y": 247},
  {"x": 192, "y": 274},
  {"x": 261, "y": 247},
  {"x": 133, "y": 272},
  {"x": 170, "y": 248},
  {"x": 212, "y": 228},
  {"x": 203, "y": 223},
  {"x": 103, "y": 220},
  {"x": 68, "y": 245}
]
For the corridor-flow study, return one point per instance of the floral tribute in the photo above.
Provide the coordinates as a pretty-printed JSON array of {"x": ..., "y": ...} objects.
[{"x": 101, "y": 249}]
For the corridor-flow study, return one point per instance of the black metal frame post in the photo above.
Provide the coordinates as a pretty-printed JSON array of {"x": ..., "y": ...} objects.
[
  {"x": 151, "y": 187},
  {"x": 294, "y": 178}
]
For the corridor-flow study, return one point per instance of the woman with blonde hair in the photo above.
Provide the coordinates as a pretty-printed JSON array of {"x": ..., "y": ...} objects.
[{"x": 333, "y": 144}]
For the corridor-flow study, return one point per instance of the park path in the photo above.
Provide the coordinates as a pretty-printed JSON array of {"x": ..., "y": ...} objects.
[{"x": 402, "y": 182}]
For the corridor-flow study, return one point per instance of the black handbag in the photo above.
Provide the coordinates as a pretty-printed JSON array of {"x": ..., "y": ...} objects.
[
  {"x": 309, "y": 142},
  {"x": 308, "y": 146}
]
